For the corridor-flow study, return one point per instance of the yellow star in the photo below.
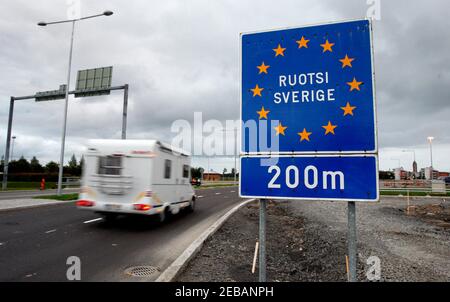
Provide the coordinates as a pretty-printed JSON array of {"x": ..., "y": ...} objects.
[
  {"x": 263, "y": 68},
  {"x": 327, "y": 46},
  {"x": 280, "y": 129},
  {"x": 304, "y": 135},
  {"x": 302, "y": 42},
  {"x": 354, "y": 85},
  {"x": 257, "y": 91},
  {"x": 348, "y": 109},
  {"x": 279, "y": 51},
  {"x": 263, "y": 113},
  {"x": 347, "y": 61},
  {"x": 329, "y": 128}
]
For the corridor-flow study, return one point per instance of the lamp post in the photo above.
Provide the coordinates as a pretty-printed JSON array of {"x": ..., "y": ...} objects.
[
  {"x": 12, "y": 147},
  {"x": 66, "y": 103},
  {"x": 430, "y": 140}
]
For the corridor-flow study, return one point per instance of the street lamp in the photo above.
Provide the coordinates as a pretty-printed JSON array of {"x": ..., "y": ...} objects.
[
  {"x": 12, "y": 147},
  {"x": 430, "y": 140},
  {"x": 66, "y": 104}
]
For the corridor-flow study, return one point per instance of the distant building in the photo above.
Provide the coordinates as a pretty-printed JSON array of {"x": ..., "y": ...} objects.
[
  {"x": 212, "y": 176},
  {"x": 415, "y": 167},
  {"x": 400, "y": 174},
  {"x": 425, "y": 173},
  {"x": 444, "y": 174}
]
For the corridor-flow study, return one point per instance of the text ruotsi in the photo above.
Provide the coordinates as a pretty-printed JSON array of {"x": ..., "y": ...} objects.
[{"x": 309, "y": 92}]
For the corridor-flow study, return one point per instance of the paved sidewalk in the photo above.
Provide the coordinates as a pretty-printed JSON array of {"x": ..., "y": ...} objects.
[{"x": 28, "y": 203}]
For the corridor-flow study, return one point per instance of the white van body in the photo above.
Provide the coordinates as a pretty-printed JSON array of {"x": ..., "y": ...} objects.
[{"x": 144, "y": 177}]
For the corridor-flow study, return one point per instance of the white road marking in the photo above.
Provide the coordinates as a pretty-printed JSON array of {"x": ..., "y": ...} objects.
[
  {"x": 2, "y": 243},
  {"x": 232, "y": 191},
  {"x": 218, "y": 193},
  {"x": 93, "y": 220},
  {"x": 200, "y": 196},
  {"x": 51, "y": 231}
]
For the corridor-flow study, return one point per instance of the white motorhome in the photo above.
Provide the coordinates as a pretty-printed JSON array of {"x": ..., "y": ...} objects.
[{"x": 144, "y": 177}]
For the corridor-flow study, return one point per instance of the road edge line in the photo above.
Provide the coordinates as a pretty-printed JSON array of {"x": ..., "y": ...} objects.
[
  {"x": 32, "y": 206},
  {"x": 192, "y": 250}
]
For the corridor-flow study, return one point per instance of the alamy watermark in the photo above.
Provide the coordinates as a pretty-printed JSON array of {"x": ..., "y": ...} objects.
[
  {"x": 73, "y": 273},
  {"x": 374, "y": 10},
  {"x": 212, "y": 137},
  {"x": 373, "y": 272},
  {"x": 73, "y": 9}
]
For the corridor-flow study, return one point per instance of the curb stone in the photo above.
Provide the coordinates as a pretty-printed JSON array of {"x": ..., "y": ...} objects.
[{"x": 192, "y": 250}]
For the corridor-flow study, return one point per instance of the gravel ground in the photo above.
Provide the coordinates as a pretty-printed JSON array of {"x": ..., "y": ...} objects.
[{"x": 306, "y": 241}]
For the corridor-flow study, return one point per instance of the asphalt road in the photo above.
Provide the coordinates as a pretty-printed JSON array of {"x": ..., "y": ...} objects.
[
  {"x": 17, "y": 194},
  {"x": 35, "y": 243}
]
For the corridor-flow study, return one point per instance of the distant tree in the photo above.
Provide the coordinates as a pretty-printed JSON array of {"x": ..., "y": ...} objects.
[
  {"x": 386, "y": 175},
  {"x": 35, "y": 166},
  {"x": 233, "y": 171},
  {"x": 73, "y": 162},
  {"x": 22, "y": 165},
  {"x": 51, "y": 167},
  {"x": 80, "y": 166},
  {"x": 224, "y": 171},
  {"x": 72, "y": 167},
  {"x": 196, "y": 172}
]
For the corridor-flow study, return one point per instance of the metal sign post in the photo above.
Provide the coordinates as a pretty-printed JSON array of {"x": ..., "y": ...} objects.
[
  {"x": 262, "y": 240},
  {"x": 125, "y": 111},
  {"x": 308, "y": 114},
  {"x": 55, "y": 95},
  {"x": 351, "y": 237}
]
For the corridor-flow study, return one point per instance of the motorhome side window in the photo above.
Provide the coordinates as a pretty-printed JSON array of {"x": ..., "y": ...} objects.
[
  {"x": 185, "y": 171},
  {"x": 109, "y": 165},
  {"x": 167, "y": 168}
]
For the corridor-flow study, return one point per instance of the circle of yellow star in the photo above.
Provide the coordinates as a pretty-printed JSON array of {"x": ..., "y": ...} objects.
[
  {"x": 348, "y": 109},
  {"x": 347, "y": 61},
  {"x": 280, "y": 129},
  {"x": 329, "y": 128},
  {"x": 304, "y": 135},
  {"x": 257, "y": 91},
  {"x": 327, "y": 46},
  {"x": 302, "y": 42},
  {"x": 263, "y": 68},
  {"x": 279, "y": 51},
  {"x": 263, "y": 113},
  {"x": 354, "y": 85}
]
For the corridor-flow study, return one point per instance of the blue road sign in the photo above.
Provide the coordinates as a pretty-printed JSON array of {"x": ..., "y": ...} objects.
[
  {"x": 309, "y": 90},
  {"x": 323, "y": 177}
]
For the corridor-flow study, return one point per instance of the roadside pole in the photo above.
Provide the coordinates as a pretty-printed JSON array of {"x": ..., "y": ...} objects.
[
  {"x": 262, "y": 239},
  {"x": 8, "y": 144},
  {"x": 351, "y": 237},
  {"x": 125, "y": 111},
  {"x": 66, "y": 105}
]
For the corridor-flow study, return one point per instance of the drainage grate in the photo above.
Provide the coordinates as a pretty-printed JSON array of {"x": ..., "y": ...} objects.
[{"x": 141, "y": 271}]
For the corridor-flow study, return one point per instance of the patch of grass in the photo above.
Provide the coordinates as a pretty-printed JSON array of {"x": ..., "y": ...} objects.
[
  {"x": 212, "y": 186},
  {"x": 413, "y": 193},
  {"x": 64, "y": 197},
  {"x": 33, "y": 185},
  {"x": 29, "y": 185}
]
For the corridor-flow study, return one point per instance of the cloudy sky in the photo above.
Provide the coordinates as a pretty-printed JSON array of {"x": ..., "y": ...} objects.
[{"x": 182, "y": 56}]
